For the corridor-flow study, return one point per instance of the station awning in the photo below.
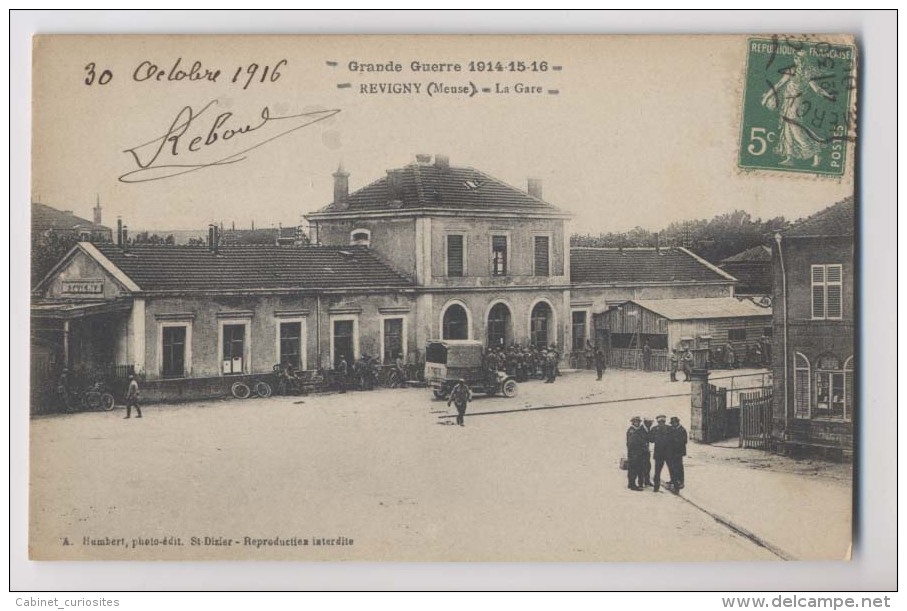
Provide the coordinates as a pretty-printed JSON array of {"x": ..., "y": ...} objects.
[{"x": 68, "y": 310}]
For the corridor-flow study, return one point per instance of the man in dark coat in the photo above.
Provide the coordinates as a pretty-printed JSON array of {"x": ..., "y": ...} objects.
[
  {"x": 599, "y": 362},
  {"x": 678, "y": 451},
  {"x": 637, "y": 448},
  {"x": 460, "y": 396},
  {"x": 646, "y": 356},
  {"x": 660, "y": 435}
]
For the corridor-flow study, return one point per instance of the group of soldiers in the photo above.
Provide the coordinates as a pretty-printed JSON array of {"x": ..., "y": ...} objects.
[
  {"x": 670, "y": 446},
  {"x": 363, "y": 373},
  {"x": 523, "y": 363}
]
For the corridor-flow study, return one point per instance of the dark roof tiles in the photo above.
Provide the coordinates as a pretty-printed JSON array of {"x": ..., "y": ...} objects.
[
  {"x": 430, "y": 186},
  {"x": 169, "y": 267},
  {"x": 640, "y": 265},
  {"x": 836, "y": 220}
]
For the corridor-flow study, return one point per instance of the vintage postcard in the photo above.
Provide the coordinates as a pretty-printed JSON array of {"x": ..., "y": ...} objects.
[{"x": 443, "y": 298}]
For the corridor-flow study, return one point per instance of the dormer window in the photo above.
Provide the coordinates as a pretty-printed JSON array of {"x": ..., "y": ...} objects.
[{"x": 361, "y": 237}]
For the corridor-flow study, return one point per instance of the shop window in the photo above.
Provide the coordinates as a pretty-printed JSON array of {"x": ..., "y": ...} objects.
[{"x": 831, "y": 391}]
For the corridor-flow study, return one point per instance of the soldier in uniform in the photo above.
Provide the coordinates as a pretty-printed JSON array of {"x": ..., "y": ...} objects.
[
  {"x": 674, "y": 365},
  {"x": 132, "y": 398},
  {"x": 637, "y": 447},
  {"x": 460, "y": 396},
  {"x": 646, "y": 356},
  {"x": 678, "y": 451},
  {"x": 599, "y": 362},
  {"x": 343, "y": 372},
  {"x": 686, "y": 364}
]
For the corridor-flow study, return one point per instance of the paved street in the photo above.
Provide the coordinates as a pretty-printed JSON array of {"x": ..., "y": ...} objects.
[{"x": 384, "y": 475}]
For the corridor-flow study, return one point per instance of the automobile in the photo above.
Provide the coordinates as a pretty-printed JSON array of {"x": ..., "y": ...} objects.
[{"x": 449, "y": 360}]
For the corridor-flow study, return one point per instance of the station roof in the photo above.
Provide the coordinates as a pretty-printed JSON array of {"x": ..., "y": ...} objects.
[
  {"x": 836, "y": 220},
  {"x": 641, "y": 265},
  {"x": 432, "y": 186},
  {"x": 173, "y": 268},
  {"x": 703, "y": 307}
]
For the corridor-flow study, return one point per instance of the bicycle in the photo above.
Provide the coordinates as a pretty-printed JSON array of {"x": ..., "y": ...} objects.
[
  {"x": 259, "y": 388},
  {"x": 95, "y": 397}
]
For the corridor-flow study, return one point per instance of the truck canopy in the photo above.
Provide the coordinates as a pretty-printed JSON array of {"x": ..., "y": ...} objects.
[{"x": 458, "y": 353}]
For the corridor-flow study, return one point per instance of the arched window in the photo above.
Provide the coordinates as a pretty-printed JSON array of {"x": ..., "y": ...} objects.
[
  {"x": 541, "y": 325},
  {"x": 456, "y": 323},
  {"x": 830, "y": 388},
  {"x": 361, "y": 237},
  {"x": 802, "y": 394},
  {"x": 498, "y": 325}
]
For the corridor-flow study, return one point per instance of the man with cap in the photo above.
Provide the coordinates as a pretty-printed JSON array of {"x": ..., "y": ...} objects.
[
  {"x": 132, "y": 398},
  {"x": 660, "y": 436},
  {"x": 637, "y": 447},
  {"x": 460, "y": 396},
  {"x": 678, "y": 451}
]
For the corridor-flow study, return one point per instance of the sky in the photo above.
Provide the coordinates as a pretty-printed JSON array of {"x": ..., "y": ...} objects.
[{"x": 643, "y": 131}]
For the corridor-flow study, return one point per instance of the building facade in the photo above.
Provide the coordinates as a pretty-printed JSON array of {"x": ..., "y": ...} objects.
[
  {"x": 753, "y": 268},
  {"x": 187, "y": 319},
  {"x": 814, "y": 320},
  {"x": 487, "y": 261}
]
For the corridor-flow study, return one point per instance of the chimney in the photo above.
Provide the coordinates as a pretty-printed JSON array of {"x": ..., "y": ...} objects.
[
  {"x": 535, "y": 187},
  {"x": 211, "y": 238},
  {"x": 341, "y": 186},
  {"x": 119, "y": 231},
  {"x": 395, "y": 185},
  {"x": 97, "y": 212},
  {"x": 125, "y": 244},
  {"x": 442, "y": 162},
  {"x": 657, "y": 243},
  {"x": 216, "y": 239},
  {"x": 423, "y": 159}
]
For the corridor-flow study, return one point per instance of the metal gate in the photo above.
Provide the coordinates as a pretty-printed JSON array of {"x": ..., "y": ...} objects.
[{"x": 756, "y": 418}]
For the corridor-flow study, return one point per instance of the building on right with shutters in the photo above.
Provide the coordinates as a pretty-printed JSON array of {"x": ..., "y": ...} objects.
[{"x": 814, "y": 326}]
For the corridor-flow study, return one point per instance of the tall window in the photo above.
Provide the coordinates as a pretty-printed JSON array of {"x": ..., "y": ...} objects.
[
  {"x": 455, "y": 255},
  {"x": 827, "y": 291},
  {"x": 234, "y": 342},
  {"x": 540, "y": 323},
  {"x": 802, "y": 394},
  {"x": 579, "y": 331},
  {"x": 456, "y": 323},
  {"x": 291, "y": 344},
  {"x": 174, "y": 352},
  {"x": 542, "y": 267},
  {"x": 830, "y": 389},
  {"x": 499, "y": 255},
  {"x": 498, "y": 321},
  {"x": 393, "y": 339},
  {"x": 344, "y": 341}
]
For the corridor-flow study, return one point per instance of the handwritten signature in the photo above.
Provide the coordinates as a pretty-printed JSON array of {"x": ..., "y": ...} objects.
[{"x": 190, "y": 139}]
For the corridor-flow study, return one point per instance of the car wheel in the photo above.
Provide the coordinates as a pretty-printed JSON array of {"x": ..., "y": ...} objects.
[{"x": 509, "y": 388}]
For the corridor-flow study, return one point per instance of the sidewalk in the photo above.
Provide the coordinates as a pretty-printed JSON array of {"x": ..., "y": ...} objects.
[{"x": 799, "y": 509}]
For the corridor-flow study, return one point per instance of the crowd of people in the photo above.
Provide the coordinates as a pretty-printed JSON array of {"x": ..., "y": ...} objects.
[
  {"x": 669, "y": 442},
  {"x": 524, "y": 362}
]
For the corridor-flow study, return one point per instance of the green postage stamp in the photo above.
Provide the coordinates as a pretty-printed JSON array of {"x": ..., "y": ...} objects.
[{"x": 798, "y": 105}]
